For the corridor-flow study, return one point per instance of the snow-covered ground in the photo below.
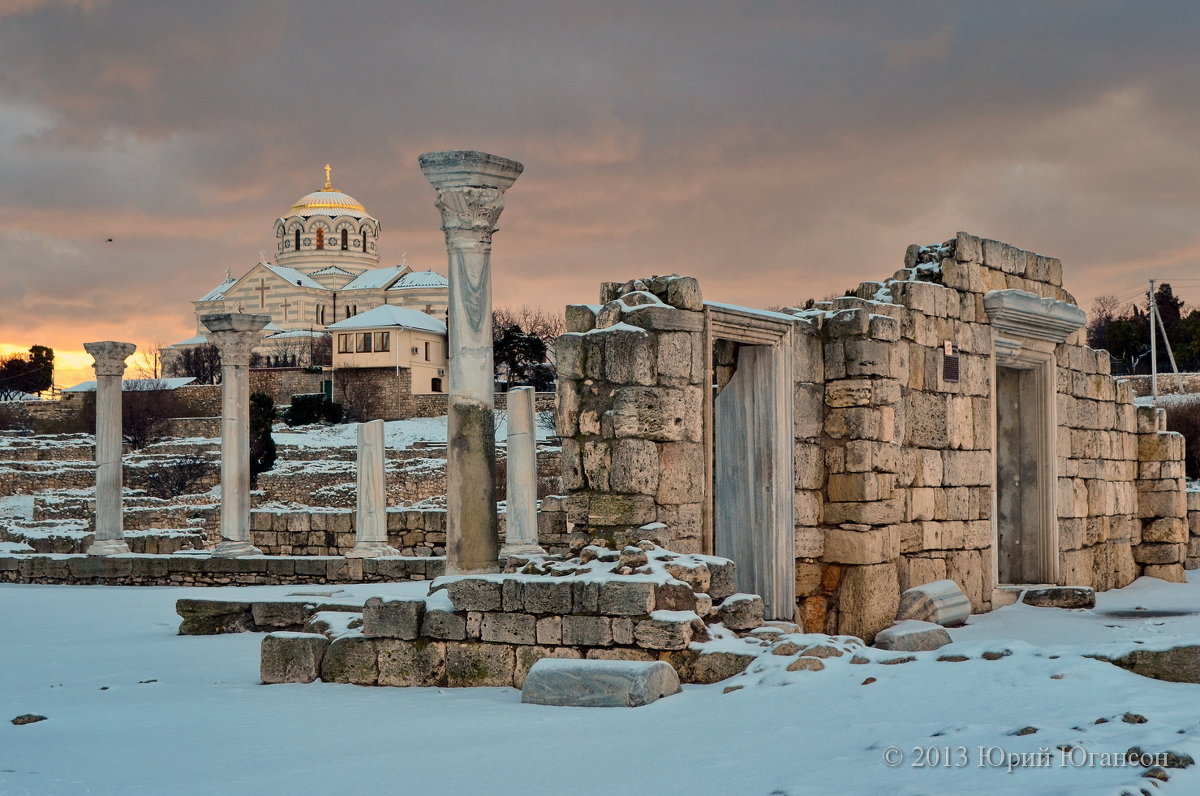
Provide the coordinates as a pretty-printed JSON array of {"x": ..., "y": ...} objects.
[
  {"x": 397, "y": 433},
  {"x": 134, "y": 708}
]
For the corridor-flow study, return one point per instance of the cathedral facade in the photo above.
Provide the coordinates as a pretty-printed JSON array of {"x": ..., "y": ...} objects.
[{"x": 326, "y": 269}]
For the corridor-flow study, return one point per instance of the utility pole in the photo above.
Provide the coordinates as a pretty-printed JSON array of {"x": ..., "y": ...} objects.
[
  {"x": 1162, "y": 327},
  {"x": 1150, "y": 308}
]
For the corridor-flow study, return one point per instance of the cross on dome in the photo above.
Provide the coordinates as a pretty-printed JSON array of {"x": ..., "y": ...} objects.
[{"x": 328, "y": 184}]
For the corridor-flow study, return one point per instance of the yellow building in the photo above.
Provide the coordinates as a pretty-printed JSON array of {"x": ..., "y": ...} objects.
[{"x": 394, "y": 337}]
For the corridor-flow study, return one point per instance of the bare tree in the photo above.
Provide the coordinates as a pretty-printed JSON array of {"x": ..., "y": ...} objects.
[
  {"x": 149, "y": 361},
  {"x": 532, "y": 320}
]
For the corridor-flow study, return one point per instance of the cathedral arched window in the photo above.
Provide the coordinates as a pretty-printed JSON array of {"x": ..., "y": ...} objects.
[
  {"x": 297, "y": 240},
  {"x": 345, "y": 240},
  {"x": 320, "y": 238}
]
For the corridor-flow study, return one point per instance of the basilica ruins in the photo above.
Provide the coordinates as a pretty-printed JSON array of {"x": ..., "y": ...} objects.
[{"x": 944, "y": 433}]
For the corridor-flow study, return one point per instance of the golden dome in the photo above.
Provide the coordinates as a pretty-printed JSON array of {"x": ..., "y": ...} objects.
[{"x": 328, "y": 202}]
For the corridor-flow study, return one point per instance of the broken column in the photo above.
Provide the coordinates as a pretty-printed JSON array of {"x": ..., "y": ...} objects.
[
  {"x": 109, "y": 363},
  {"x": 521, "y": 517},
  {"x": 470, "y": 188},
  {"x": 235, "y": 334},
  {"x": 370, "y": 519}
]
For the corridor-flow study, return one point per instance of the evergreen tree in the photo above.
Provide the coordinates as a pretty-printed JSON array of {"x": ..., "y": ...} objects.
[{"x": 262, "y": 444}]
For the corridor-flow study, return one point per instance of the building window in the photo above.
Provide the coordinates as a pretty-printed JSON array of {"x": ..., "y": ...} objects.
[
  {"x": 364, "y": 343},
  {"x": 435, "y": 385},
  {"x": 343, "y": 344},
  {"x": 345, "y": 240},
  {"x": 320, "y": 238},
  {"x": 383, "y": 341},
  {"x": 364, "y": 240},
  {"x": 428, "y": 347},
  {"x": 319, "y": 313},
  {"x": 297, "y": 240}
]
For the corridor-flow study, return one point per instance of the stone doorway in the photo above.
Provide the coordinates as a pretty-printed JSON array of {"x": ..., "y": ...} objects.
[
  {"x": 1026, "y": 527},
  {"x": 751, "y": 443}
]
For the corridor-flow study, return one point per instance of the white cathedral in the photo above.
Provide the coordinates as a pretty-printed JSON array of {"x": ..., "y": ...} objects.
[{"x": 326, "y": 271}]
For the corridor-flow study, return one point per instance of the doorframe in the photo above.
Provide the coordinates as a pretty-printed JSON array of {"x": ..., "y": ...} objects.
[
  {"x": 773, "y": 331},
  {"x": 1033, "y": 357}
]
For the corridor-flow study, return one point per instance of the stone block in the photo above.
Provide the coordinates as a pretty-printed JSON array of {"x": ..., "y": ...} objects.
[
  {"x": 912, "y": 635},
  {"x": 635, "y": 468},
  {"x": 280, "y": 615},
  {"x": 741, "y": 611},
  {"x": 865, "y": 546},
  {"x": 470, "y": 664},
  {"x": 292, "y": 657},
  {"x": 665, "y": 630},
  {"x": 393, "y": 618},
  {"x": 723, "y": 577},
  {"x": 211, "y": 617},
  {"x": 352, "y": 658},
  {"x": 508, "y": 628},
  {"x": 627, "y": 510},
  {"x": 1159, "y": 553},
  {"x": 660, "y": 414},
  {"x": 447, "y": 625},
  {"x": 1060, "y": 597},
  {"x": 417, "y": 663},
  {"x": 593, "y": 683},
  {"x": 585, "y": 597},
  {"x": 674, "y": 596},
  {"x": 681, "y": 473},
  {"x": 1173, "y": 573},
  {"x": 587, "y": 631},
  {"x": 626, "y": 597},
  {"x": 868, "y": 599},
  {"x": 549, "y": 630},
  {"x": 547, "y": 597},
  {"x": 475, "y": 594}
]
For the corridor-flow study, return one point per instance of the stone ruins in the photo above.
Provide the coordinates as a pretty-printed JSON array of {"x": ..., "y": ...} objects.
[
  {"x": 946, "y": 423},
  {"x": 922, "y": 448}
]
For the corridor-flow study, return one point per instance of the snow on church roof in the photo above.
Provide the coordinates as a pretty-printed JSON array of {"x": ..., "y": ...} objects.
[
  {"x": 391, "y": 315},
  {"x": 417, "y": 279},
  {"x": 218, "y": 292},
  {"x": 138, "y": 385},
  {"x": 295, "y": 277},
  {"x": 374, "y": 278}
]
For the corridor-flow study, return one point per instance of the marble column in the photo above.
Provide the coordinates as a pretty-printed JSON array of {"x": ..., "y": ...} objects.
[
  {"x": 109, "y": 363},
  {"x": 470, "y": 188},
  {"x": 235, "y": 334},
  {"x": 520, "y": 538},
  {"x": 370, "y": 518}
]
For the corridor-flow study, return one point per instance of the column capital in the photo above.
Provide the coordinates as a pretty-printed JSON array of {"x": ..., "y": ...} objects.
[
  {"x": 109, "y": 356},
  {"x": 235, "y": 334},
  {"x": 470, "y": 188}
]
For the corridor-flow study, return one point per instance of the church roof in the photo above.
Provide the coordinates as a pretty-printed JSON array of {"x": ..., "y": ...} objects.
[
  {"x": 294, "y": 333},
  {"x": 374, "y": 278},
  {"x": 218, "y": 292},
  {"x": 417, "y": 279},
  {"x": 391, "y": 315},
  {"x": 295, "y": 277},
  {"x": 332, "y": 269}
]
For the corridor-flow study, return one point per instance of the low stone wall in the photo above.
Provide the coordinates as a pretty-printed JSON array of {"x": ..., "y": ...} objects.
[
  {"x": 414, "y": 532},
  {"x": 1168, "y": 383},
  {"x": 642, "y": 604},
  {"x": 200, "y": 570},
  {"x": 438, "y": 404}
]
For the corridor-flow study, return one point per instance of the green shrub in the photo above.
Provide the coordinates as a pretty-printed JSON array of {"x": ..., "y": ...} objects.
[{"x": 310, "y": 408}]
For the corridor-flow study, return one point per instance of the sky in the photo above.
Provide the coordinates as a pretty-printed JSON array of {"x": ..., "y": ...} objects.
[{"x": 775, "y": 150}]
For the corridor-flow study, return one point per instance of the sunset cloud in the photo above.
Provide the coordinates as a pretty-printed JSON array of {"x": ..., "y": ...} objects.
[{"x": 775, "y": 150}]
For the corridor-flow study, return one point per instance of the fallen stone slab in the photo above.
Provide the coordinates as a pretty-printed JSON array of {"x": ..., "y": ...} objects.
[
  {"x": 292, "y": 657},
  {"x": 912, "y": 635},
  {"x": 212, "y": 617},
  {"x": 598, "y": 683},
  {"x": 941, "y": 602},
  {"x": 1061, "y": 597},
  {"x": 1175, "y": 665}
]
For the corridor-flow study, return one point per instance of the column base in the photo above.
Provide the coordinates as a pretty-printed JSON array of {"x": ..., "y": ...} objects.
[
  {"x": 108, "y": 547},
  {"x": 522, "y": 549},
  {"x": 372, "y": 550},
  {"x": 231, "y": 549}
]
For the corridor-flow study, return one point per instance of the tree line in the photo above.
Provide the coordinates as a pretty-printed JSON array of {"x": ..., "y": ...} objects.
[{"x": 1124, "y": 331}]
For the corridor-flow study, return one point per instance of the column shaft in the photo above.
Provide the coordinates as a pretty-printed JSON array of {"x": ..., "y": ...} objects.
[
  {"x": 109, "y": 364},
  {"x": 521, "y": 517},
  {"x": 370, "y": 518}
]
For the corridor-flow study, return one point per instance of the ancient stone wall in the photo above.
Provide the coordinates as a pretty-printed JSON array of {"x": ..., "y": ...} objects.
[
  {"x": 630, "y": 403},
  {"x": 895, "y": 427},
  {"x": 438, "y": 404},
  {"x": 189, "y": 570},
  {"x": 375, "y": 393}
]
